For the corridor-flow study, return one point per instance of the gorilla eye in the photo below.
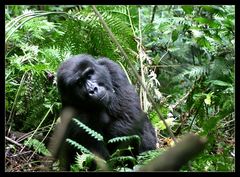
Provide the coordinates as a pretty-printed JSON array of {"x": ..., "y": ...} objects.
[
  {"x": 88, "y": 76},
  {"x": 88, "y": 72},
  {"x": 79, "y": 81},
  {"x": 101, "y": 84}
]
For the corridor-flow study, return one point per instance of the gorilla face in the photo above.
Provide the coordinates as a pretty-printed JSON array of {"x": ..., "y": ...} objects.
[{"x": 84, "y": 81}]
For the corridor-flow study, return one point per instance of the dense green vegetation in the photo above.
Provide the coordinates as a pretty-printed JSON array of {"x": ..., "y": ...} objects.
[{"x": 185, "y": 56}]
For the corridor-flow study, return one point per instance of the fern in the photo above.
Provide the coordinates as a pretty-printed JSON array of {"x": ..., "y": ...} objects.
[
  {"x": 221, "y": 83},
  {"x": 87, "y": 162},
  {"x": 78, "y": 146},
  {"x": 37, "y": 146},
  {"x": 193, "y": 72},
  {"x": 82, "y": 162},
  {"x": 119, "y": 163},
  {"x": 124, "y": 138},
  {"x": 85, "y": 27},
  {"x": 123, "y": 159},
  {"x": 196, "y": 71},
  {"x": 147, "y": 156},
  {"x": 91, "y": 132}
]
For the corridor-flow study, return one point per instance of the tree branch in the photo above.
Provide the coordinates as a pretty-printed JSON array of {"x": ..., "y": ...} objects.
[{"x": 174, "y": 158}]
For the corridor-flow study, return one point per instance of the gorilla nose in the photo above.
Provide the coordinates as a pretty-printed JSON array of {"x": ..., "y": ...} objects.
[
  {"x": 92, "y": 88},
  {"x": 93, "y": 91}
]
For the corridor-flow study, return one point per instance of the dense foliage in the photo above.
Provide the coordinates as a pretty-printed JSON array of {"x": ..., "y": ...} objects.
[{"x": 184, "y": 54}]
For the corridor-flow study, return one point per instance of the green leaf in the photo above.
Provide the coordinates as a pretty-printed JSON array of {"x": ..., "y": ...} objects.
[
  {"x": 148, "y": 28},
  {"x": 206, "y": 21},
  {"x": 213, "y": 9},
  {"x": 161, "y": 125},
  {"x": 202, "y": 41},
  {"x": 170, "y": 121},
  {"x": 187, "y": 9},
  {"x": 175, "y": 35},
  {"x": 210, "y": 124},
  {"x": 207, "y": 100},
  {"x": 201, "y": 20},
  {"x": 221, "y": 83}
]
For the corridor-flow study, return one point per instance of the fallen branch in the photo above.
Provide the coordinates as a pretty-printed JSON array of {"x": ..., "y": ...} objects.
[
  {"x": 174, "y": 158},
  {"x": 14, "y": 142},
  {"x": 60, "y": 132}
]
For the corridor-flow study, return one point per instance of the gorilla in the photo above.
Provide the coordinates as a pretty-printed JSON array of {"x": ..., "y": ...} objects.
[{"x": 104, "y": 100}]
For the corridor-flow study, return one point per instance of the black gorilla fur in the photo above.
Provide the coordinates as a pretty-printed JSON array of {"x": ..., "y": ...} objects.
[{"x": 105, "y": 101}]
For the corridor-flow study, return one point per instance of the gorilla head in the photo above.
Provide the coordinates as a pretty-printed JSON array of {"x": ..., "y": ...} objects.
[
  {"x": 104, "y": 100},
  {"x": 81, "y": 81}
]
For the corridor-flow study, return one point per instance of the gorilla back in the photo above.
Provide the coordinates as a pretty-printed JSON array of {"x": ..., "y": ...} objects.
[{"x": 104, "y": 100}]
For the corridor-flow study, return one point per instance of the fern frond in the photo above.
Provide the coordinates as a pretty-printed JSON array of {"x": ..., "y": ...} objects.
[
  {"x": 80, "y": 159},
  {"x": 147, "y": 156},
  {"x": 197, "y": 71},
  {"x": 37, "y": 146},
  {"x": 123, "y": 158},
  {"x": 193, "y": 72},
  {"x": 78, "y": 146},
  {"x": 91, "y": 132},
  {"x": 84, "y": 25},
  {"x": 124, "y": 138}
]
